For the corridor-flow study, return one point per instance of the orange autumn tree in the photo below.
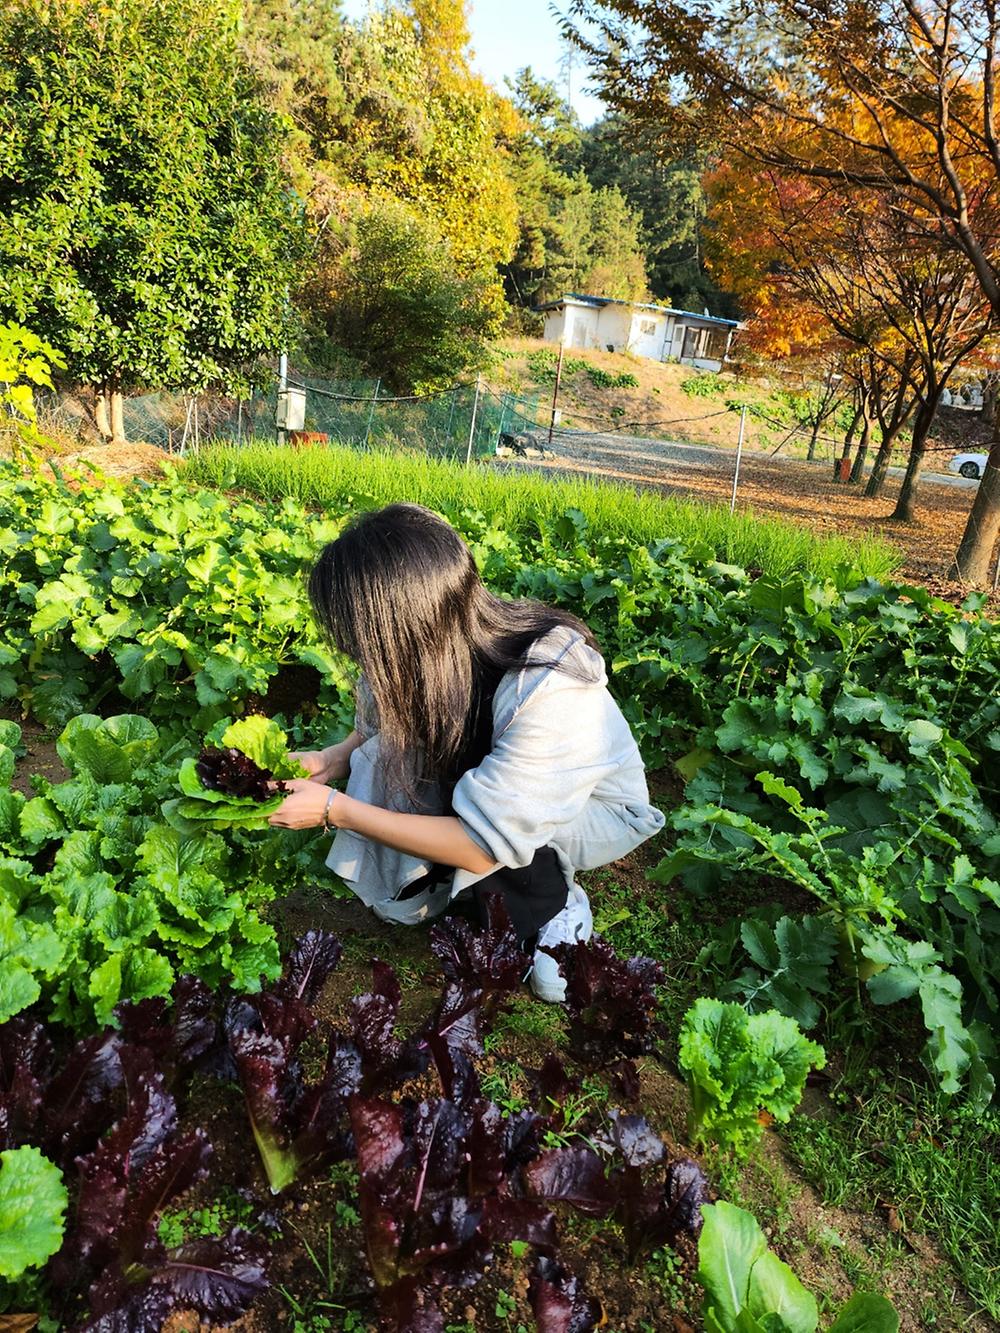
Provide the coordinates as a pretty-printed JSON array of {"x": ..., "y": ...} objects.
[
  {"x": 782, "y": 326},
  {"x": 890, "y": 98},
  {"x": 873, "y": 268}
]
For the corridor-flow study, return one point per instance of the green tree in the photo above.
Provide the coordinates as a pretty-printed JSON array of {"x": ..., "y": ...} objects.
[
  {"x": 666, "y": 192},
  {"x": 392, "y": 295},
  {"x": 146, "y": 228},
  {"x": 571, "y": 236},
  {"x": 303, "y": 53},
  {"x": 594, "y": 245},
  {"x": 547, "y": 134}
]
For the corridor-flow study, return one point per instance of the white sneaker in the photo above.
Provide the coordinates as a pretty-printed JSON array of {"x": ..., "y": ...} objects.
[{"x": 573, "y": 923}]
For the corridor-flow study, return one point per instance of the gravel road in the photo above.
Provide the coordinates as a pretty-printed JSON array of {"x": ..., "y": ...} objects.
[{"x": 635, "y": 458}]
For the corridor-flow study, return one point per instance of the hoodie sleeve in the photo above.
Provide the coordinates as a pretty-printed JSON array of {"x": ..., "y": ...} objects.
[{"x": 543, "y": 769}]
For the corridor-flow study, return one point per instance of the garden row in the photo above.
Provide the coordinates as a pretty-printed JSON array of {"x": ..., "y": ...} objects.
[
  {"x": 131, "y": 906},
  {"x": 839, "y": 733},
  {"x": 519, "y": 502},
  {"x": 440, "y": 1183}
]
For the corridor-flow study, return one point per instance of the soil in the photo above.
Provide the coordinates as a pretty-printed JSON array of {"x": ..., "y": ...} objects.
[
  {"x": 40, "y": 758},
  {"x": 120, "y": 460}
]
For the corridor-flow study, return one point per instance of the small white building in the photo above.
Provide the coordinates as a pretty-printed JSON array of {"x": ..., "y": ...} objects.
[{"x": 655, "y": 331}]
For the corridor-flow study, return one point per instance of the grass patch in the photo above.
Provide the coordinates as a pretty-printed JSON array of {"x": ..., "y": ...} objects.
[
  {"x": 342, "y": 477},
  {"x": 900, "y": 1147}
]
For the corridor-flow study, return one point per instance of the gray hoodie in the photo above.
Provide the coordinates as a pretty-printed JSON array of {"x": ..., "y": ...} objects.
[{"x": 564, "y": 772}]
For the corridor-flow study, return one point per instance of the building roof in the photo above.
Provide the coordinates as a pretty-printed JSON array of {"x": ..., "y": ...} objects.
[{"x": 600, "y": 301}]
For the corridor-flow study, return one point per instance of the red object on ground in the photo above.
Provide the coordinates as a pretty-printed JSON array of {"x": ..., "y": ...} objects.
[
  {"x": 308, "y": 437},
  {"x": 843, "y": 469}
]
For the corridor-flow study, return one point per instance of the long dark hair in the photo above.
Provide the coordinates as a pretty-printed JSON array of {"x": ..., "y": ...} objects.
[{"x": 399, "y": 594}]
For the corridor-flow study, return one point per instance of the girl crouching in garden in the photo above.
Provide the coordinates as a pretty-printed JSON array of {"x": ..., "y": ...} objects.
[{"x": 487, "y": 754}]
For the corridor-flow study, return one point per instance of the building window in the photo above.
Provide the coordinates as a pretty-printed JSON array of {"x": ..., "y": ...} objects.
[
  {"x": 717, "y": 342},
  {"x": 647, "y": 326}
]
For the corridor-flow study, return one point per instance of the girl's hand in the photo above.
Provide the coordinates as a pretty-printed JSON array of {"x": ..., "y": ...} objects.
[
  {"x": 327, "y": 765},
  {"x": 314, "y": 762},
  {"x": 305, "y": 806}
]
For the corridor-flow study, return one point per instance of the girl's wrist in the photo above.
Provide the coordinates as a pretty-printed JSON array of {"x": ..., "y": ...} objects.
[{"x": 328, "y": 819}]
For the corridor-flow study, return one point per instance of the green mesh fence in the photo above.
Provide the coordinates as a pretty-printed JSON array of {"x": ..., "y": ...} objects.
[
  {"x": 458, "y": 422},
  {"x": 464, "y": 421}
]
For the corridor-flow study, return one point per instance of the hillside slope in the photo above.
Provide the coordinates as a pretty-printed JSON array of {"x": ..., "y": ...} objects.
[{"x": 706, "y": 412}]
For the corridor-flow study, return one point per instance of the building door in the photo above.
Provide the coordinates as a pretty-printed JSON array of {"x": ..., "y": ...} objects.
[
  {"x": 690, "y": 349},
  {"x": 578, "y": 333},
  {"x": 647, "y": 337}
]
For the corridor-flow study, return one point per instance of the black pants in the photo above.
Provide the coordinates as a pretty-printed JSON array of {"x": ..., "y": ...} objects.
[{"x": 532, "y": 895}]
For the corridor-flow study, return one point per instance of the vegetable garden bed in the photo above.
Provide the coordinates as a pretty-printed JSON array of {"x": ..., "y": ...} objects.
[{"x": 837, "y": 740}]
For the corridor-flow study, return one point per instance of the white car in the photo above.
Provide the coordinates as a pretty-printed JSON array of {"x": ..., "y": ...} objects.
[{"x": 968, "y": 465}]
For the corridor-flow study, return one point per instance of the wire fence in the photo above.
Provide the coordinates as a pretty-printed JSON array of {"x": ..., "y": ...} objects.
[
  {"x": 480, "y": 421},
  {"x": 467, "y": 420}
]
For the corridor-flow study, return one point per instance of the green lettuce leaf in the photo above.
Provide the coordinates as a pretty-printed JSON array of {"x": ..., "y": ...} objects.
[
  {"x": 33, "y": 1203},
  {"x": 263, "y": 741},
  {"x": 747, "y": 1286}
]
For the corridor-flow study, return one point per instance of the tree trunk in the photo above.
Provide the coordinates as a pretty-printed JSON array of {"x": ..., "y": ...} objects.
[
  {"x": 858, "y": 470},
  {"x": 117, "y": 417},
  {"x": 877, "y": 479},
  {"x": 975, "y": 553},
  {"x": 903, "y": 513},
  {"x": 811, "y": 452},
  {"x": 989, "y": 408},
  {"x": 101, "y": 418}
]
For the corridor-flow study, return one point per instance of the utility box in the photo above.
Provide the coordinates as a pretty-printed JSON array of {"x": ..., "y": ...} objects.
[{"x": 290, "y": 413}]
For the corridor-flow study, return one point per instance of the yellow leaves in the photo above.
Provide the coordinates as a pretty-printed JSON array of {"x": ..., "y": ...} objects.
[{"x": 441, "y": 147}]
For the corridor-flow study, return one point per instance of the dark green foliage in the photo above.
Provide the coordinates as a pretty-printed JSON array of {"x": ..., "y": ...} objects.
[
  {"x": 146, "y": 229},
  {"x": 666, "y": 193},
  {"x": 398, "y": 301},
  {"x": 573, "y": 235}
]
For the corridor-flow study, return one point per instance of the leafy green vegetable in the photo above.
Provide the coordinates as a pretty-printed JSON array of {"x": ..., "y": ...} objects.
[
  {"x": 748, "y": 1289},
  {"x": 227, "y": 787},
  {"x": 106, "y": 903},
  {"x": 261, "y": 740},
  {"x": 869, "y": 713},
  {"x": 738, "y": 1064},
  {"x": 33, "y": 1203}
]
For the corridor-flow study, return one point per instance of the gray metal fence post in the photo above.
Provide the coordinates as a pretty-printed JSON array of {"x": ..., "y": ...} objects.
[
  {"x": 739, "y": 455},
  {"x": 555, "y": 395},
  {"x": 371, "y": 411},
  {"x": 279, "y": 434},
  {"x": 472, "y": 425}
]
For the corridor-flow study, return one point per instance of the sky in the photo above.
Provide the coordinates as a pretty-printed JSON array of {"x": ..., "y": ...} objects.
[{"x": 509, "y": 34}]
